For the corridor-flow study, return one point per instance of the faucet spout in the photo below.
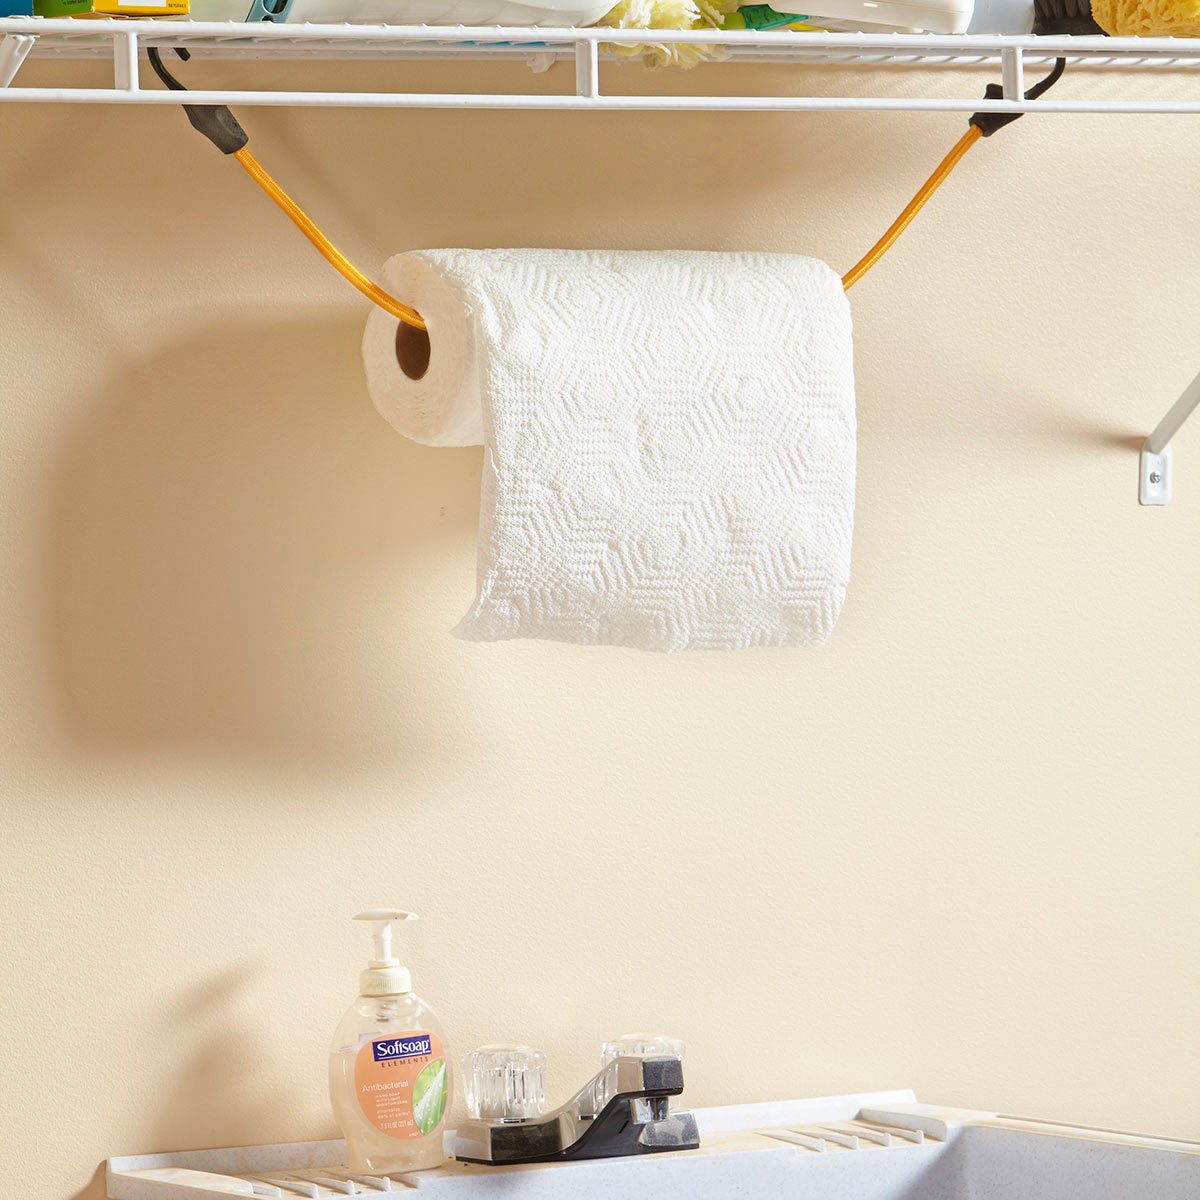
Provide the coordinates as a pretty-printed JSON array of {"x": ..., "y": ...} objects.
[{"x": 624, "y": 1109}]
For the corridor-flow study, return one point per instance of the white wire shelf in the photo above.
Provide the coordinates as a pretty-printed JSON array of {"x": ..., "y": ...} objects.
[{"x": 124, "y": 43}]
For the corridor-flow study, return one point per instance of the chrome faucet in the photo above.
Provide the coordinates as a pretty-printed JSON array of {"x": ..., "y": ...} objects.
[{"x": 623, "y": 1109}]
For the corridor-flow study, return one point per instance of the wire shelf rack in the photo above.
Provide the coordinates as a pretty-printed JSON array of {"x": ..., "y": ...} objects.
[{"x": 124, "y": 43}]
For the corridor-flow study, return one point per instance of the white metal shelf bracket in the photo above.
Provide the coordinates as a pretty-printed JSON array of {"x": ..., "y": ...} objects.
[
  {"x": 1012, "y": 68},
  {"x": 125, "y": 62},
  {"x": 587, "y": 70},
  {"x": 13, "y": 51},
  {"x": 1155, "y": 466}
]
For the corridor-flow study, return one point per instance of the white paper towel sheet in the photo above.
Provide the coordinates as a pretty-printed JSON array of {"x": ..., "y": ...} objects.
[{"x": 669, "y": 436}]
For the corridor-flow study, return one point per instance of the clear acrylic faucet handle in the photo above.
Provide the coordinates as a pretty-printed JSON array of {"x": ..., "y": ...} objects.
[
  {"x": 505, "y": 1082},
  {"x": 641, "y": 1045}
]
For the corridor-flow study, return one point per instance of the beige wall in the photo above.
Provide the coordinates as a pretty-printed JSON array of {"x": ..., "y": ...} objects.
[{"x": 955, "y": 849}]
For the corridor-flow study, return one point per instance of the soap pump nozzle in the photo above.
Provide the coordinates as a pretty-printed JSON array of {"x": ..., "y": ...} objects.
[{"x": 384, "y": 975}]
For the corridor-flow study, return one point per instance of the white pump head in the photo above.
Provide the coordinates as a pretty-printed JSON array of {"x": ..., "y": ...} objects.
[{"x": 384, "y": 975}]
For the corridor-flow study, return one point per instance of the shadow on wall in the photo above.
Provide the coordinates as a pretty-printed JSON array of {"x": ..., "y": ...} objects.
[
  {"x": 94, "y": 1189},
  {"x": 238, "y": 550},
  {"x": 220, "y": 1090}
]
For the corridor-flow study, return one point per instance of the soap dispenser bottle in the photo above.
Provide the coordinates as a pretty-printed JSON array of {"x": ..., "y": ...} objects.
[{"x": 389, "y": 1078}]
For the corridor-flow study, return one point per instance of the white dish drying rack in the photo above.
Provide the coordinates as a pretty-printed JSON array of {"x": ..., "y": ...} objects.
[
  {"x": 873, "y": 1146},
  {"x": 825, "y": 1126}
]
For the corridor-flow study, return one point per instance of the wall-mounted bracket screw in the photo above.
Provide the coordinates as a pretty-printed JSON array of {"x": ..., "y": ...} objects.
[{"x": 1154, "y": 476}]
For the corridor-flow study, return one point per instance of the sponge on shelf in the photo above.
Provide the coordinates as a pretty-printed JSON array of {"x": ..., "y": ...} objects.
[{"x": 1148, "y": 18}]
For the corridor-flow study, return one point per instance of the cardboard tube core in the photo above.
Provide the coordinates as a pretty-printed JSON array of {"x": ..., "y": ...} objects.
[{"x": 412, "y": 350}]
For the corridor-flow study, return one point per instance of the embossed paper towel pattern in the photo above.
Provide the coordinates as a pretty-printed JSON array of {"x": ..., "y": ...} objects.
[{"x": 669, "y": 439}]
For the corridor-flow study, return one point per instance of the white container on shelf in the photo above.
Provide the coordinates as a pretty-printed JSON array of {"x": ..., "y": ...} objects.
[
  {"x": 900, "y": 16},
  {"x": 452, "y": 12},
  {"x": 558, "y": 13},
  {"x": 1002, "y": 16}
]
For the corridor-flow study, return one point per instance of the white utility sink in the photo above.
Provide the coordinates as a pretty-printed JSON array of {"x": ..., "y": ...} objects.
[{"x": 877, "y": 1146}]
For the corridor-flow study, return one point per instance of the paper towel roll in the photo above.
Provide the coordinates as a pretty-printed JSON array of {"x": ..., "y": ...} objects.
[
  {"x": 444, "y": 406},
  {"x": 670, "y": 438}
]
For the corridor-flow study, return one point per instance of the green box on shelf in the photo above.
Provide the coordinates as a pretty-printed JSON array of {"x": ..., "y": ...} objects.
[{"x": 61, "y": 8}]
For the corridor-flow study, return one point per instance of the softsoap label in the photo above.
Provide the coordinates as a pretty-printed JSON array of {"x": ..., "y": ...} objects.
[
  {"x": 409, "y": 1046},
  {"x": 401, "y": 1084}
]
